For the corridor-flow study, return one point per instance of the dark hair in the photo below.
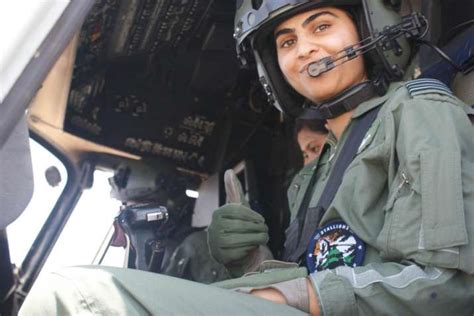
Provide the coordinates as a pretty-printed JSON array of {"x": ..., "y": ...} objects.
[{"x": 312, "y": 125}]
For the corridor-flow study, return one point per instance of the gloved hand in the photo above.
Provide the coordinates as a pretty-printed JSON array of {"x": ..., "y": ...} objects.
[{"x": 236, "y": 232}]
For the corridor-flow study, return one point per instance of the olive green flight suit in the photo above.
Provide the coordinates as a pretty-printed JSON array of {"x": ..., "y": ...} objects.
[
  {"x": 191, "y": 260},
  {"x": 408, "y": 194}
]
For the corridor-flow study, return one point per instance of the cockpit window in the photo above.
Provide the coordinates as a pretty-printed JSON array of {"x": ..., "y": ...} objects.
[
  {"x": 88, "y": 229},
  {"x": 50, "y": 178}
]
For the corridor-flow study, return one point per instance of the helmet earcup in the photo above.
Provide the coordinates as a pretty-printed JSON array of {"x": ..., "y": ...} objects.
[
  {"x": 373, "y": 63},
  {"x": 379, "y": 14}
]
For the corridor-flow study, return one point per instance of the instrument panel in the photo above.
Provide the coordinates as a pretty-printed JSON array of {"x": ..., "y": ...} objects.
[{"x": 156, "y": 78}]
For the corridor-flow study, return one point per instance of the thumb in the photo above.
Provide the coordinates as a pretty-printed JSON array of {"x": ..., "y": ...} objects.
[{"x": 233, "y": 189}]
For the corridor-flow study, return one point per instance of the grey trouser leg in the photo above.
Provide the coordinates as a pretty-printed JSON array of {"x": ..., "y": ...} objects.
[{"x": 115, "y": 291}]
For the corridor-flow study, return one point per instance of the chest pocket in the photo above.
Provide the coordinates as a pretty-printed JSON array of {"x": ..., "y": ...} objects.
[
  {"x": 296, "y": 192},
  {"x": 467, "y": 251},
  {"x": 426, "y": 211},
  {"x": 442, "y": 203},
  {"x": 293, "y": 192}
]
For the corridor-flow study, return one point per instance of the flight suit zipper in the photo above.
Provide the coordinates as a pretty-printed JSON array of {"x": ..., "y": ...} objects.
[{"x": 404, "y": 180}]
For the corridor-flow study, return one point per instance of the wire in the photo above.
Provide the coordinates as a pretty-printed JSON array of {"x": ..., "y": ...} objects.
[
  {"x": 443, "y": 55},
  {"x": 454, "y": 30}
]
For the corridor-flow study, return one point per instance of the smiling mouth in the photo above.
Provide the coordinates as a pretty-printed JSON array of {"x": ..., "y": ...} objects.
[
  {"x": 318, "y": 63},
  {"x": 319, "y": 67},
  {"x": 305, "y": 67}
]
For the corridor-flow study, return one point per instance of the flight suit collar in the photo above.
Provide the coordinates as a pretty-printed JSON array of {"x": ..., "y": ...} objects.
[
  {"x": 366, "y": 106},
  {"x": 363, "y": 108},
  {"x": 360, "y": 110},
  {"x": 310, "y": 167},
  {"x": 320, "y": 160}
]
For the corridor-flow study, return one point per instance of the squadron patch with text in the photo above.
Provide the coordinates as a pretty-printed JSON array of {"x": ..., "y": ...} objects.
[{"x": 334, "y": 245}]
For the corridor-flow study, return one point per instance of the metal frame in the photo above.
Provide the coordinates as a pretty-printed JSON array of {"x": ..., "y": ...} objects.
[
  {"x": 79, "y": 177},
  {"x": 22, "y": 92}
]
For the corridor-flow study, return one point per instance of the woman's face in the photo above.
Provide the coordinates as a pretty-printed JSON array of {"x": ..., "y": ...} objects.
[
  {"x": 311, "y": 143},
  {"x": 310, "y": 36}
]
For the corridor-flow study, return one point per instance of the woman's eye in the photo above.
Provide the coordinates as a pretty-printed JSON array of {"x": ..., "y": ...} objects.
[
  {"x": 321, "y": 27},
  {"x": 314, "y": 148},
  {"x": 287, "y": 43}
]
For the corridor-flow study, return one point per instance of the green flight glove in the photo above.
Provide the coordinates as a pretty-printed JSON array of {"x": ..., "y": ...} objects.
[{"x": 236, "y": 232}]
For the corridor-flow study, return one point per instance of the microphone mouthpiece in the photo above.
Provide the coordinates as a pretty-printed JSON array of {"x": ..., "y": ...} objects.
[{"x": 321, "y": 66}]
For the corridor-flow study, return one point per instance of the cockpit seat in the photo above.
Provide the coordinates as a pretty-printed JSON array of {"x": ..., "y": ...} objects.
[{"x": 461, "y": 50}]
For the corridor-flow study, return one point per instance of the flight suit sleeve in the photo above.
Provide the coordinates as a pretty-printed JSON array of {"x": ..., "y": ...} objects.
[
  {"x": 428, "y": 222},
  {"x": 393, "y": 288}
]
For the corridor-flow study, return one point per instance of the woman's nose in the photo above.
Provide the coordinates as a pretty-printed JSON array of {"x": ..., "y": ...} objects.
[{"x": 307, "y": 49}]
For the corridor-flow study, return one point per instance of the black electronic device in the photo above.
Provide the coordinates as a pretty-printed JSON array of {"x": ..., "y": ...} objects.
[{"x": 140, "y": 222}]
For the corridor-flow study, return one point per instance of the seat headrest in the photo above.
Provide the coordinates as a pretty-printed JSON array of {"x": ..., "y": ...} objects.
[{"x": 461, "y": 50}]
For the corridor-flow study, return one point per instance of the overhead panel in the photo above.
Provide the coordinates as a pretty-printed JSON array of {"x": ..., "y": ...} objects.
[{"x": 154, "y": 78}]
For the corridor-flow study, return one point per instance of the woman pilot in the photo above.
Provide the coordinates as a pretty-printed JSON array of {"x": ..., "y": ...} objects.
[{"x": 400, "y": 221}]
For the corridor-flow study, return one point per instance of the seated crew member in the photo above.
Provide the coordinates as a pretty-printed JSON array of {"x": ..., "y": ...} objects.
[
  {"x": 397, "y": 236},
  {"x": 310, "y": 135},
  {"x": 237, "y": 235},
  {"x": 192, "y": 261}
]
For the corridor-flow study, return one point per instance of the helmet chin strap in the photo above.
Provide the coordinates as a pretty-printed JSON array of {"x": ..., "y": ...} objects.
[
  {"x": 344, "y": 102},
  {"x": 412, "y": 26}
]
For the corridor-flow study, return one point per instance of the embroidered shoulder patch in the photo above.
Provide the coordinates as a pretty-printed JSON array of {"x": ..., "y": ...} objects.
[
  {"x": 426, "y": 86},
  {"x": 334, "y": 245}
]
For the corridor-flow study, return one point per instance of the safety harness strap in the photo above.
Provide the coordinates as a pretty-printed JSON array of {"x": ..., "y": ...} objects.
[{"x": 300, "y": 230}]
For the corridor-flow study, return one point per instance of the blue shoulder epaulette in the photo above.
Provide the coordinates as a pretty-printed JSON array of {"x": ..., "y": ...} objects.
[{"x": 426, "y": 86}]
